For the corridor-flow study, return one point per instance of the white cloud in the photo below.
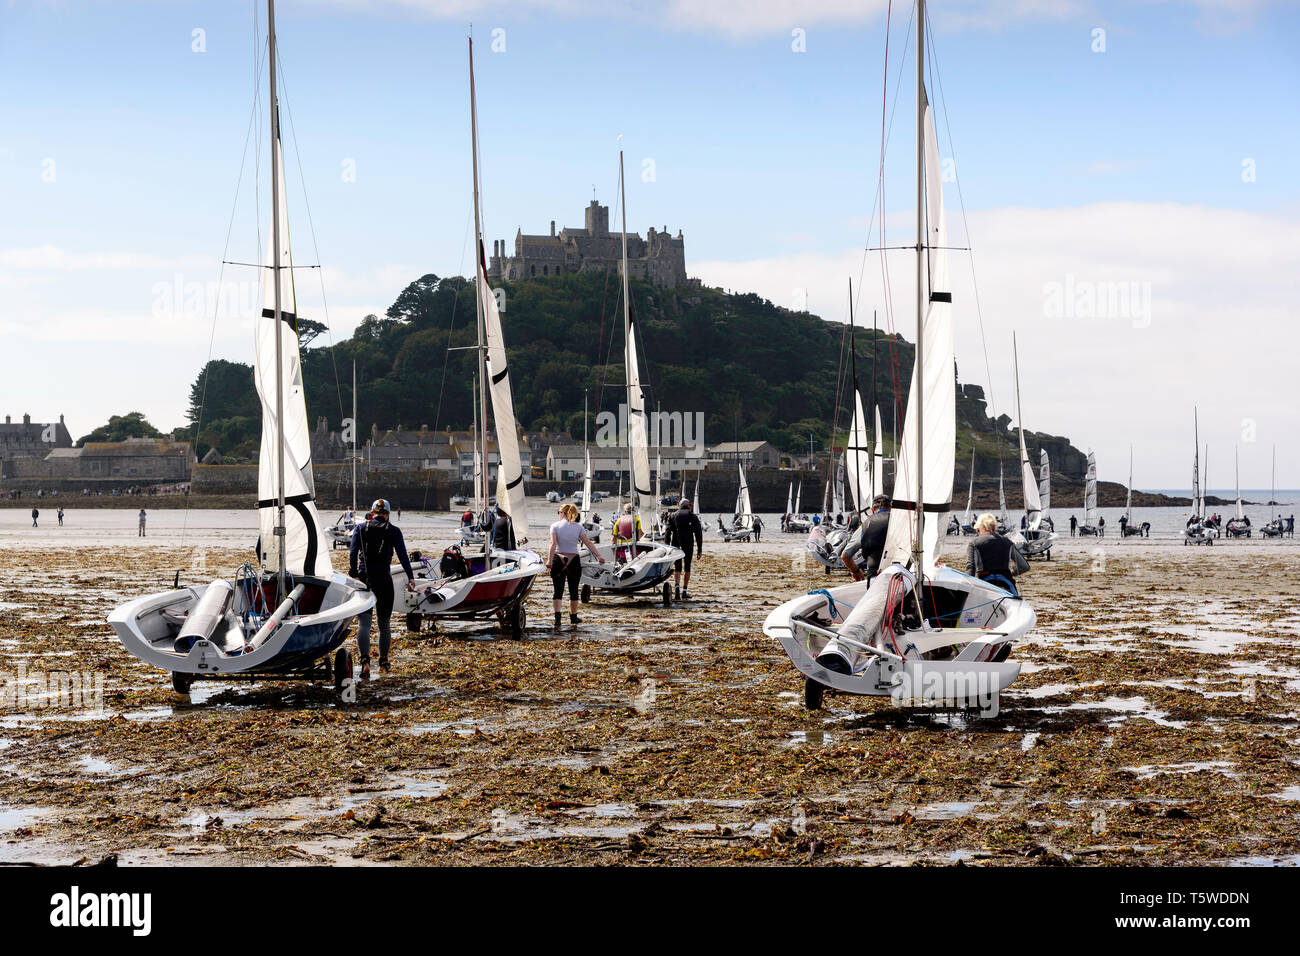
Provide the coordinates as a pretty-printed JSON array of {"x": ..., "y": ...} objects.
[{"x": 1221, "y": 329}]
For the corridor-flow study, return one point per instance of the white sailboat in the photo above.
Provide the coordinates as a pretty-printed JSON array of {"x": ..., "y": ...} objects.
[
  {"x": 1035, "y": 540},
  {"x": 1045, "y": 489},
  {"x": 1198, "y": 530},
  {"x": 920, "y": 632},
  {"x": 1239, "y": 524},
  {"x": 742, "y": 519},
  {"x": 486, "y": 582},
  {"x": 637, "y": 565},
  {"x": 287, "y": 615},
  {"x": 341, "y": 532},
  {"x": 1003, "y": 520},
  {"x": 1089, "y": 525},
  {"x": 1276, "y": 527},
  {"x": 1126, "y": 526}
]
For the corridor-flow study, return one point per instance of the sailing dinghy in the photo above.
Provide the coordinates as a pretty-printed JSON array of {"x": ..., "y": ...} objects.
[
  {"x": 1034, "y": 540},
  {"x": 920, "y": 632},
  {"x": 1198, "y": 529},
  {"x": 285, "y": 616},
  {"x": 641, "y": 565},
  {"x": 475, "y": 580}
]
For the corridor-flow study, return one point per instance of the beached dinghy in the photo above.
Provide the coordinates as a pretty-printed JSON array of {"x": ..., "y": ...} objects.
[
  {"x": 1089, "y": 525},
  {"x": 1198, "y": 530},
  {"x": 942, "y": 641},
  {"x": 476, "y": 581},
  {"x": 1034, "y": 540},
  {"x": 1126, "y": 526},
  {"x": 644, "y": 565},
  {"x": 1239, "y": 526},
  {"x": 288, "y": 615},
  {"x": 1276, "y": 527}
]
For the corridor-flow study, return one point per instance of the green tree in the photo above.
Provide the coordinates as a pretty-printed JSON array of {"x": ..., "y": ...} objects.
[{"x": 122, "y": 427}]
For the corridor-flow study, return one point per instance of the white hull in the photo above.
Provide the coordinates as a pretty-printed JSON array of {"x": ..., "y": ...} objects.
[
  {"x": 504, "y": 583},
  {"x": 652, "y": 565},
  {"x": 961, "y": 664}
]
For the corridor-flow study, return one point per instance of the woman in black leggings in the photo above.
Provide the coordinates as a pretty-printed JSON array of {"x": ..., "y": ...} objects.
[{"x": 567, "y": 536}]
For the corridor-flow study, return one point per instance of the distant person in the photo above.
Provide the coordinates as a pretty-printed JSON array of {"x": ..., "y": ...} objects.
[
  {"x": 1024, "y": 522},
  {"x": 684, "y": 529},
  {"x": 1290, "y": 526},
  {"x": 562, "y": 560},
  {"x": 60, "y": 513},
  {"x": 35, "y": 514},
  {"x": 1101, "y": 527},
  {"x": 1074, "y": 525},
  {"x": 370, "y": 556},
  {"x": 993, "y": 557},
  {"x": 1123, "y": 525},
  {"x": 758, "y": 527},
  {"x": 467, "y": 519},
  {"x": 503, "y": 531},
  {"x": 142, "y": 516}
]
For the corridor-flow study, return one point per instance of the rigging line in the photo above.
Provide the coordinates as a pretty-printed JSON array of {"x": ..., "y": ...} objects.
[
  {"x": 961, "y": 201},
  {"x": 886, "y": 131},
  {"x": 311, "y": 228},
  {"x": 451, "y": 325},
  {"x": 221, "y": 272}
]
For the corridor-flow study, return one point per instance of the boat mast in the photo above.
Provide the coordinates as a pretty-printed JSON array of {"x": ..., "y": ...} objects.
[
  {"x": 354, "y": 440},
  {"x": 275, "y": 278},
  {"x": 480, "y": 279},
  {"x": 1020, "y": 421},
  {"x": 918, "y": 543},
  {"x": 857, "y": 401},
  {"x": 1196, "y": 465}
]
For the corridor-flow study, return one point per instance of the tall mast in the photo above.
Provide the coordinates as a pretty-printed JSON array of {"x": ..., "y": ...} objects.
[
  {"x": 1196, "y": 464},
  {"x": 918, "y": 543},
  {"x": 857, "y": 400},
  {"x": 275, "y": 278},
  {"x": 1020, "y": 418},
  {"x": 354, "y": 439},
  {"x": 480, "y": 280}
]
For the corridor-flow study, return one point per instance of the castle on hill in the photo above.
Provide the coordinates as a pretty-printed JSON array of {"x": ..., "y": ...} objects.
[{"x": 660, "y": 257}]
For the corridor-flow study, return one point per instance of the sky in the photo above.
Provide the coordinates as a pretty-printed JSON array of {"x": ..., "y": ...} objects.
[{"x": 1122, "y": 174}]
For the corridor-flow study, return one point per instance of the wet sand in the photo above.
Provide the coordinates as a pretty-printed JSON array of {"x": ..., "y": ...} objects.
[{"x": 1157, "y": 721}]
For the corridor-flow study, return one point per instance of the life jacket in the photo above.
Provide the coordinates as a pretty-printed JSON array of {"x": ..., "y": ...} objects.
[
  {"x": 625, "y": 530},
  {"x": 453, "y": 564}
]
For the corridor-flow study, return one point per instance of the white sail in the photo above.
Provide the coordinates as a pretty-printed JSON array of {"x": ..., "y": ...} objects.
[
  {"x": 877, "y": 462},
  {"x": 1045, "y": 484},
  {"x": 742, "y": 501},
  {"x": 638, "y": 437},
  {"x": 1236, "y": 468},
  {"x": 1002, "y": 496},
  {"x": 696, "y": 502},
  {"x": 1028, "y": 480},
  {"x": 789, "y": 499},
  {"x": 1128, "y": 498},
  {"x": 859, "y": 451},
  {"x": 1090, "y": 493},
  {"x": 936, "y": 377},
  {"x": 837, "y": 503},
  {"x": 586, "y": 490},
  {"x": 303, "y": 553},
  {"x": 970, "y": 491},
  {"x": 798, "y": 497},
  {"x": 510, "y": 473}
]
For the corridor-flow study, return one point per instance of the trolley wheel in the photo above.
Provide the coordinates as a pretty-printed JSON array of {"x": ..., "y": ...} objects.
[
  {"x": 413, "y": 623},
  {"x": 1049, "y": 554},
  {"x": 342, "y": 667},
  {"x": 585, "y": 594},
  {"x": 813, "y": 694},
  {"x": 828, "y": 570},
  {"x": 181, "y": 682},
  {"x": 518, "y": 621},
  {"x": 668, "y": 594}
]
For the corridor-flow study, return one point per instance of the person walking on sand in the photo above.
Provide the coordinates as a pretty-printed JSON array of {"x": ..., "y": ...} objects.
[
  {"x": 758, "y": 529},
  {"x": 370, "y": 557},
  {"x": 60, "y": 516},
  {"x": 35, "y": 514},
  {"x": 567, "y": 538},
  {"x": 1074, "y": 525},
  {"x": 142, "y": 516},
  {"x": 994, "y": 557},
  {"x": 684, "y": 529},
  {"x": 1101, "y": 527}
]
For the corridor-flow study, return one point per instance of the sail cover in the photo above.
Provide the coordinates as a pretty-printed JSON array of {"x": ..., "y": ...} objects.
[
  {"x": 1045, "y": 484},
  {"x": 303, "y": 537},
  {"x": 510, "y": 474},
  {"x": 936, "y": 381}
]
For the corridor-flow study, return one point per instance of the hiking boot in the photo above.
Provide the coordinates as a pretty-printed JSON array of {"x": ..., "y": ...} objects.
[
  {"x": 685, "y": 596},
  {"x": 574, "y": 619},
  {"x": 557, "y": 618}
]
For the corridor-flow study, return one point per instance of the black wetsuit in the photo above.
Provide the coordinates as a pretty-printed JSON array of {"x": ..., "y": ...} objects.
[
  {"x": 369, "y": 557},
  {"x": 992, "y": 554},
  {"x": 683, "y": 525},
  {"x": 873, "y": 540},
  {"x": 503, "y": 533}
]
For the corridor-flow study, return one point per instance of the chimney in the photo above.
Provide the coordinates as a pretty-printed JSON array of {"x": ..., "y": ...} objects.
[
  {"x": 552, "y": 227},
  {"x": 8, "y": 421},
  {"x": 60, "y": 419},
  {"x": 27, "y": 419}
]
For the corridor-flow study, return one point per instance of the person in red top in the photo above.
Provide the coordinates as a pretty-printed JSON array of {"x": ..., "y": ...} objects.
[{"x": 627, "y": 532}]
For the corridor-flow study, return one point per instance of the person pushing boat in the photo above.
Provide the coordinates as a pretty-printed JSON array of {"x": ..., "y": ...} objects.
[
  {"x": 567, "y": 537},
  {"x": 374, "y": 542},
  {"x": 867, "y": 543},
  {"x": 683, "y": 525}
]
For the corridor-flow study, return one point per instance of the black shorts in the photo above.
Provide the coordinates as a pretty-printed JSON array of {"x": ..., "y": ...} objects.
[
  {"x": 686, "y": 560},
  {"x": 561, "y": 571}
]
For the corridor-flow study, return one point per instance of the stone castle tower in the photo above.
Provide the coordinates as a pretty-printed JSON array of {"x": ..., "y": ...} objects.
[{"x": 659, "y": 257}]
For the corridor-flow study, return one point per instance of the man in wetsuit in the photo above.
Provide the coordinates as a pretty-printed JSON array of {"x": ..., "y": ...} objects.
[
  {"x": 503, "y": 531},
  {"x": 374, "y": 543},
  {"x": 684, "y": 529},
  {"x": 991, "y": 555},
  {"x": 867, "y": 543}
]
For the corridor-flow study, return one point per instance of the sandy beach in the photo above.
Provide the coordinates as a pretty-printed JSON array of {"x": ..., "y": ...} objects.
[{"x": 1156, "y": 722}]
